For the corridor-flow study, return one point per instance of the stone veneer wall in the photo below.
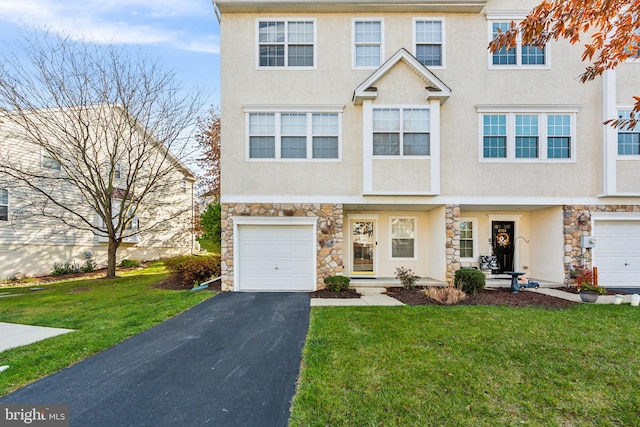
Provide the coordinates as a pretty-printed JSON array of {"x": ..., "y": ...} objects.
[
  {"x": 576, "y": 223},
  {"x": 452, "y": 218},
  {"x": 329, "y": 234}
]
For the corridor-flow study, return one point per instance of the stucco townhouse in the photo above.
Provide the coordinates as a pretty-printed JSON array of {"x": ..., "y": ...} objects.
[{"x": 361, "y": 136}]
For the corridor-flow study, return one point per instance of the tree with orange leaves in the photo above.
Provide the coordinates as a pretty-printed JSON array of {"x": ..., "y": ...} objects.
[{"x": 613, "y": 25}]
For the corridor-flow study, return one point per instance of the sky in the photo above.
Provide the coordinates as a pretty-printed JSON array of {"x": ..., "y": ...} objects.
[{"x": 183, "y": 35}]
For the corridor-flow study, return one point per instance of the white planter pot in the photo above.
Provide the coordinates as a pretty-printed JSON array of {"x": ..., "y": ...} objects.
[
  {"x": 618, "y": 299},
  {"x": 635, "y": 300}
]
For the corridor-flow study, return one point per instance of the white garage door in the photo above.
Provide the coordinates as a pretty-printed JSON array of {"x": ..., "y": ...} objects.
[
  {"x": 276, "y": 258},
  {"x": 617, "y": 252}
]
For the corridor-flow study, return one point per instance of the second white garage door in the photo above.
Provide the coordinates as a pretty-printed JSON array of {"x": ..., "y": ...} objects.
[
  {"x": 617, "y": 252},
  {"x": 275, "y": 258}
]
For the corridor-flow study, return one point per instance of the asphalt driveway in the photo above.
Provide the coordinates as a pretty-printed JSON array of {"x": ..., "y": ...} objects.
[{"x": 232, "y": 360}]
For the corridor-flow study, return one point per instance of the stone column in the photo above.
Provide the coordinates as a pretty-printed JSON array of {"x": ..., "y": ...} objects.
[{"x": 452, "y": 218}]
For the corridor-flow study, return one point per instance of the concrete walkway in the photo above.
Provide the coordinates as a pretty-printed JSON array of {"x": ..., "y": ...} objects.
[{"x": 14, "y": 335}]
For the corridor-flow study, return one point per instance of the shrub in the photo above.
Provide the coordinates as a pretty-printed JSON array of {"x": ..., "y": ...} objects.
[
  {"x": 190, "y": 269},
  {"x": 469, "y": 280},
  {"x": 211, "y": 222},
  {"x": 337, "y": 283},
  {"x": 406, "y": 276},
  {"x": 129, "y": 263},
  {"x": 89, "y": 266},
  {"x": 64, "y": 267},
  {"x": 446, "y": 296}
]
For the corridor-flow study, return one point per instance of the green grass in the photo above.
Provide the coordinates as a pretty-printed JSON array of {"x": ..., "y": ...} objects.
[
  {"x": 470, "y": 366},
  {"x": 211, "y": 246},
  {"x": 103, "y": 313}
]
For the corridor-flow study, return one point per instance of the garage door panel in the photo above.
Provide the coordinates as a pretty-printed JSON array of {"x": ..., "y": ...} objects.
[
  {"x": 617, "y": 252},
  {"x": 276, "y": 258}
]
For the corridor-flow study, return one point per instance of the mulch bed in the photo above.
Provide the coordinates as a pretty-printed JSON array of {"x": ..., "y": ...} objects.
[
  {"x": 350, "y": 293},
  {"x": 501, "y": 297}
]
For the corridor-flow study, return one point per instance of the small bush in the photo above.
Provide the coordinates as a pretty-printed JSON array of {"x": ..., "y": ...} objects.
[
  {"x": 469, "y": 280},
  {"x": 191, "y": 269},
  {"x": 89, "y": 266},
  {"x": 446, "y": 296},
  {"x": 129, "y": 263},
  {"x": 406, "y": 276},
  {"x": 337, "y": 283},
  {"x": 64, "y": 267}
]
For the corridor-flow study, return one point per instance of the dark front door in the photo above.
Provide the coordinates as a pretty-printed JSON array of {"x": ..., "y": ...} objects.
[{"x": 502, "y": 241}]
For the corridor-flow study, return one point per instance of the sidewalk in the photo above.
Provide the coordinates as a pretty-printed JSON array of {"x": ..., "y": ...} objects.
[{"x": 15, "y": 335}]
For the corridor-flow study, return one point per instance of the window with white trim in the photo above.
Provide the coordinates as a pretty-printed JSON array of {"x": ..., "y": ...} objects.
[
  {"x": 401, "y": 132},
  {"x": 628, "y": 139},
  {"x": 429, "y": 41},
  {"x": 294, "y": 135},
  {"x": 286, "y": 43},
  {"x": 48, "y": 162},
  {"x": 522, "y": 56},
  {"x": 4, "y": 204},
  {"x": 368, "y": 39},
  {"x": 528, "y": 136},
  {"x": 117, "y": 171},
  {"x": 403, "y": 237},
  {"x": 467, "y": 239}
]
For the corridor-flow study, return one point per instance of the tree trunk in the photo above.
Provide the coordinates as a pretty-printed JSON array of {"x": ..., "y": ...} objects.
[{"x": 111, "y": 258}]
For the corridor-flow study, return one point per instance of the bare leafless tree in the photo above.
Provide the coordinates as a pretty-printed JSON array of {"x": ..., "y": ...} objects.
[
  {"x": 208, "y": 137},
  {"x": 95, "y": 135}
]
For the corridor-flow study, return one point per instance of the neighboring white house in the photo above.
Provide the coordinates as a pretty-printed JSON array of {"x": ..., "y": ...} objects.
[
  {"x": 30, "y": 242},
  {"x": 364, "y": 136}
]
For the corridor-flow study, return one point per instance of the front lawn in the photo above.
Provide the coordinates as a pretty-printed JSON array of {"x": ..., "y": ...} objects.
[
  {"x": 103, "y": 312},
  {"x": 470, "y": 366}
]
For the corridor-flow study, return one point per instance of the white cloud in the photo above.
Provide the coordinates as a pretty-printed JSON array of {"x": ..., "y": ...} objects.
[{"x": 158, "y": 22}]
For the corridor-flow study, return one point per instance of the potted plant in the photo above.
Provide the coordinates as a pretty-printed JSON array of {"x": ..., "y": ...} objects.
[{"x": 587, "y": 288}]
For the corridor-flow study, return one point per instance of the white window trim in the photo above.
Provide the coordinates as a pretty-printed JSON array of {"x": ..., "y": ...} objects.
[
  {"x": 415, "y": 238},
  {"x": 401, "y": 131},
  {"x": 518, "y": 65},
  {"x": 286, "y": 21},
  {"x": 8, "y": 205},
  {"x": 542, "y": 113},
  {"x": 624, "y": 157},
  {"x": 353, "y": 43},
  {"x": 474, "y": 224},
  {"x": 278, "y": 141},
  {"x": 444, "y": 39}
]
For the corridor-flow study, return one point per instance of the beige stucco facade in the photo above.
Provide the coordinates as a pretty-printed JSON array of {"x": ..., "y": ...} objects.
[{"x": 456, "y": 182}]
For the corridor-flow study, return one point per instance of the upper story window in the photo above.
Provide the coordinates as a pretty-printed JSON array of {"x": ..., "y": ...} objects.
[
  {"x": 403, "y": 237},
  {"x": 286, "y": 43},
  {"x": 522, "y": 56},
  {"x": 528, "y": 136},
  {"x": 368, "y": 39},
  {"x": 4, "y": 204},
  {"x": 429, "y": 41},
  {"x": 48, "y": 162},
  {"x": 401, "y": 132},
  {"x": 628, "y": 139},
  {"x": 294, "y": 135},
  {"x": 117, "y": 170}
]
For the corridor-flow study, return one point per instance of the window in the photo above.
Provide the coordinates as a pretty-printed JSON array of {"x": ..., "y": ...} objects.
[
  {"x": 49, "y": 162},
  {"x": 117, "y": 172},
  {"x": 429, "y": 39},
  {"x": 628, "y": 139},
  {"x": 528, "y": 136},
  {"x": 467, "y": 239},
  {"x": 294, "y": 135},
  {"x": 286, "y": 43},
  {"x": 401, "y": 132},
  {"x": 367, "y": 41},
  {"x": 525, "y": 56},
  {"x": 4, "y": 204},
  {"x": 403, "y": 231}
]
